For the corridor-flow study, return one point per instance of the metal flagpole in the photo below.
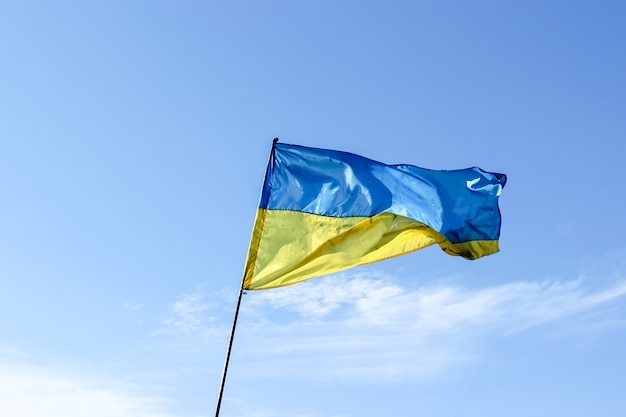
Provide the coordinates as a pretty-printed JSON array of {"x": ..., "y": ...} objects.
[
  {"x": 232, "y": 332},
  {"x": 230, "y": 345}
]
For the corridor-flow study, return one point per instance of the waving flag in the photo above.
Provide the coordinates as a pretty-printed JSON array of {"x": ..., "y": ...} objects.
[{"x": 324, "y": 211}]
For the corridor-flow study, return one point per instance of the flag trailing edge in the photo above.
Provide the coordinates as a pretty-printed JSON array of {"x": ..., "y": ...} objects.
[{"x": 324, "y": 211}]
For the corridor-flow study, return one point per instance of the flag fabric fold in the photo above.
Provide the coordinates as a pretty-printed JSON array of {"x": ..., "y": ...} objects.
[{"x": 324, "y": 211}]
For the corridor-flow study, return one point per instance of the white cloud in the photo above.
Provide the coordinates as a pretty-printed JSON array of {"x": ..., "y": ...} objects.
[
  {"x": 318, "y": 298},
  {"x": 369, "y": 326},
  {"x": 193, "y": 313},
  {"x": 372, "y": 328},
  {"x": 31, "y": 391}
]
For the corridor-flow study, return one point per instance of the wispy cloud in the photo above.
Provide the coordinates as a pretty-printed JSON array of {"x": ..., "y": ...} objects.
[
  {"x": 196, "y": 313},
  {"x": 373, "y": 328},
  {"x": 34, "y": 391}
]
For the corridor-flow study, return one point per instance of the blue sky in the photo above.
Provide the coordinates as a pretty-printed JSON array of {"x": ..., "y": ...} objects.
[{"x": 133, "y": 143}]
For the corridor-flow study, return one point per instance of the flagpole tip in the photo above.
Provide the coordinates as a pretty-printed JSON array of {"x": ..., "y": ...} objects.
[{"x": 274, "y": 141}]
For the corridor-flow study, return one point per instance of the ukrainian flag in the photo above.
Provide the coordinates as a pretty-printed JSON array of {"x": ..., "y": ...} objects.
[{"x": 324, "y": 211}]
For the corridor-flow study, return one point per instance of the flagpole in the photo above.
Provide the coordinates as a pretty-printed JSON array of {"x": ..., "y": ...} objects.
[
  {"x": 230, "y": 345},
  {"x": 232, "y": 332}
]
